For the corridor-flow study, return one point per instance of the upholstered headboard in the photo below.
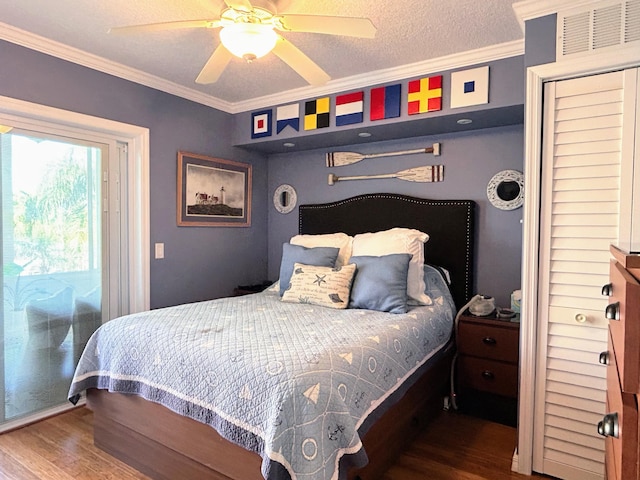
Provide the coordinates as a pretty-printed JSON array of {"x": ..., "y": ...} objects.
[{"x": 449, "y": 224}]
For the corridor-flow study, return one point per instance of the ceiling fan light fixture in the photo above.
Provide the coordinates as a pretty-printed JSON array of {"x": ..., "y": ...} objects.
[{"x": 248, "y": 40}]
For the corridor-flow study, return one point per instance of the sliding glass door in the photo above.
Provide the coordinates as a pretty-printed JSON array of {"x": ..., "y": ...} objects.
[{"x": 54, "y": 225}]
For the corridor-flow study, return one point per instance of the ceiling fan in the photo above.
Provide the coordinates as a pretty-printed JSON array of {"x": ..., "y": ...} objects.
[{"x": 249, "y": 32}]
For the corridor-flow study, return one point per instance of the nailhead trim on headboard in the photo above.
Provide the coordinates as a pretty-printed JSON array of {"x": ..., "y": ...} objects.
[{"x": 460, "y": 218}]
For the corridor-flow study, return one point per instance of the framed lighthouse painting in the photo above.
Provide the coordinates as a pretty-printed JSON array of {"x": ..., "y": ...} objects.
[{"x": 213, "y": 192}]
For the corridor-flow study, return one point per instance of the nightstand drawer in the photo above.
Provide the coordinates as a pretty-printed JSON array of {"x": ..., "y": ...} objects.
[
  {"x": 488, "y": 375},
  {"x": 488, "y": 341}
]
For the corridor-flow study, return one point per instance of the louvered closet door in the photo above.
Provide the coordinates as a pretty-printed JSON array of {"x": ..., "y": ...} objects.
[{"x": 579, "y": 219}]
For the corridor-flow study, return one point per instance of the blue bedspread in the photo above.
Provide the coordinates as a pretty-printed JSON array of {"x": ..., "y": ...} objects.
[{"x": 291, "y": 382}]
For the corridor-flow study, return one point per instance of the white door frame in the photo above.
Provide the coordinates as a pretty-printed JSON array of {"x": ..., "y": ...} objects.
[
  {"x": 137, "y": 138},
  {"x": 535, "y": 77}
]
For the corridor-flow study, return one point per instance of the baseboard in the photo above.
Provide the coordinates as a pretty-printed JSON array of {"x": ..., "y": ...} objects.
[{"x": 514, "y": 461}]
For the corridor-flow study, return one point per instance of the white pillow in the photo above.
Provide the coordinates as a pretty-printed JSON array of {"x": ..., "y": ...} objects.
[
  {"x": 324, "y": 286},
  {"x": 398, "y": 240},
  {"x": 337, "y": 240}
]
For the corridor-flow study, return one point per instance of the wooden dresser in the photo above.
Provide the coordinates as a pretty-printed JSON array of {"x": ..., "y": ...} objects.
[{"x": 621, "y": 423}]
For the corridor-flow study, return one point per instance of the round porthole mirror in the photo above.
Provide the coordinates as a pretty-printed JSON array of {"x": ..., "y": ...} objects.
[
  {"x": 506, "y": 190},
  {"x": 285, "y": 198}
]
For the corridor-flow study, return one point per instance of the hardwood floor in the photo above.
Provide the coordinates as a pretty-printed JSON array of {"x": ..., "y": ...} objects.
[
  {"x": 454, "y": 446},
  {"x": 460, "y": 447}
]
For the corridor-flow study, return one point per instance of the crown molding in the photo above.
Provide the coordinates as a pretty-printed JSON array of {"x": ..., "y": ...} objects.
[
  {"x": 95, "y": 62},
  {"x": 426, "y": 67},
  {"x": 530, "y": 9}
]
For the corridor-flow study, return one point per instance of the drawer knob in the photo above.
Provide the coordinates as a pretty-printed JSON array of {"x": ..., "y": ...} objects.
[
  {"x": 608, "y": 427},
  {"x": 604, "y": 358},
  {"x": 607, "y": 290},
  {"x": 487, "y": 375},
  {"x": 580, "y": 317},
  {"x": 612, "y": 312},
  {"x": 489, "y": 341}
]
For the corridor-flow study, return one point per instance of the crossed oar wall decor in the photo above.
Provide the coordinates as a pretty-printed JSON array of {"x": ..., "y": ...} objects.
[{"x": 430, "y": 173}]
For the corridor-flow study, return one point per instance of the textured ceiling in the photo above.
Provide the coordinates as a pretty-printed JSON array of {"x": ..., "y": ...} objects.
[{"x": 408, "y": 32}]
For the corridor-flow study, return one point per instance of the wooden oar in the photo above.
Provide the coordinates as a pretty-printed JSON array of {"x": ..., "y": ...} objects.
[
  {"x": 429, "y": 173},
  {"x": 339, "y": 159}
]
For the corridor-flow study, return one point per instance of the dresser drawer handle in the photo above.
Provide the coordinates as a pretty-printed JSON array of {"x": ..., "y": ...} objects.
[
  {"x": 607, "y": 290},
  {"x": 489, "y": 341},
  {"x": 488, "y": 375},
  {"x": 608, "y": 427},
  {"x": 612, "y": 312},
  {"x": 604, "y": 358}
]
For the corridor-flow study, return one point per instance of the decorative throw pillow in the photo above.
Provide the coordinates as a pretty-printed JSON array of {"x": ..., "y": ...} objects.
[
  {"x": 324, "y": 286},
  {"x": 380, "y": 283},
  {"x": 321, "y": 256},
  {"x": 339, "y": 240},
  {"x": 398, "y": 240}
]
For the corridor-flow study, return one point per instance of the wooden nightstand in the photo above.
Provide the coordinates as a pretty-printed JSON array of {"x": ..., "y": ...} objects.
[{"x": 487, "y": 366}]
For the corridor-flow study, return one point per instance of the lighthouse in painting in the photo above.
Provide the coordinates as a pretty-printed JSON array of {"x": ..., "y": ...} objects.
[{"x": 222, "y": 196}]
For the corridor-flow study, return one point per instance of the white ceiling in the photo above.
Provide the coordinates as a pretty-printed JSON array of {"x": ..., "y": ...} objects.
[{"x": 409, "y": 32}]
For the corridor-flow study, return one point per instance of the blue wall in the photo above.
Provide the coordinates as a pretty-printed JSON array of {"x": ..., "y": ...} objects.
[
  {"x": 470, "y": 160},
  {"x": 200, "y": 262},
  {"x": 540, "y": 45},
  {"x": 208, "y": 262}
]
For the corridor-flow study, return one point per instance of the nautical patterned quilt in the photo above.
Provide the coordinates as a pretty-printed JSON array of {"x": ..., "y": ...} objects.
[{"x": 291, "y": 382}]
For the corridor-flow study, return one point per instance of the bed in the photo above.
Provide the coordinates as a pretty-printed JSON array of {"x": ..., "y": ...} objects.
[{"x": 136, "y": 420}]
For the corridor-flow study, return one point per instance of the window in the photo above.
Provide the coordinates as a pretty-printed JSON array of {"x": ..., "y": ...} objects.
[{"x": 72, "y": 254}]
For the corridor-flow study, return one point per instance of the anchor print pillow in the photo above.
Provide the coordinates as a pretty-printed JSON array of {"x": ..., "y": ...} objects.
[{"x": 324, "y": 286}]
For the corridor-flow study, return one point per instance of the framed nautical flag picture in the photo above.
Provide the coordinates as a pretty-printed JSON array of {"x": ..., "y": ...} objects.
[
  {"x": 349, "y": 108},
  {"x": 425, "y": 95},
  {"x": 385, "y": 102},
  {"x": 288, "y": 116},
  {"x": 470, "y": 87},
  {"x": 261, "y": 124},
  {"x": 316, "y": 113}
]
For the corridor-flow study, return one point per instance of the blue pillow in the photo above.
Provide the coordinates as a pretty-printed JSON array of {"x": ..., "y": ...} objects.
[
  {"x": 317, "y": 256},
  {"x": 381, "y": 282}
]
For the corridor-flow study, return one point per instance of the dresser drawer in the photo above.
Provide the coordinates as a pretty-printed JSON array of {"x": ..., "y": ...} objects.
[
  {"x": 621, "y": 451},
  {"x": 624, "y": 324},
  {"x": 489, "y": 376},
  {"x": 496, "y": 342}
]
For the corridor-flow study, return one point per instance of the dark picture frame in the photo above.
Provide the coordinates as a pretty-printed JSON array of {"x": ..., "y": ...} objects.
[{"x": 213, "y": 192}]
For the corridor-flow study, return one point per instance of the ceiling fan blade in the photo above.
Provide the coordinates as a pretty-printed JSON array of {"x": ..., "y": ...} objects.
[
  {"x": 214, "y": 67},
  {"x": 302, "y": 64},
  {"x": 348, "y": 26},
  {"x": 157, "y": 27},
  {"x": 243, "y": 5}
]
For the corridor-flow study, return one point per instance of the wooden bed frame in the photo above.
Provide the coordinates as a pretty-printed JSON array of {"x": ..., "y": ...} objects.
[{"x": 165, "y": 445}]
